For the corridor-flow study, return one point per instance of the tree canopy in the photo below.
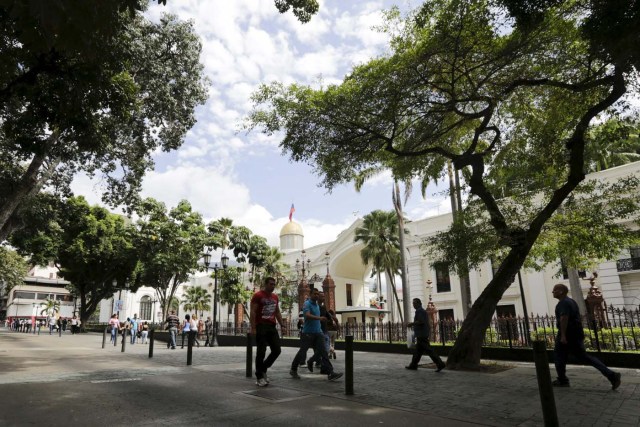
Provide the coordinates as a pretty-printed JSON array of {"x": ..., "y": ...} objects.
[{"x": 507, "y": 96}]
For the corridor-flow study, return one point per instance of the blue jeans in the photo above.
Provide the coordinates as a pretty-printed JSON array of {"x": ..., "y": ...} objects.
[
  {"x": 114, "y": 332},
  {"x": 172, "y": 334},
  {"x": 576, "y": 348},
  {"x": 317, "y": 342},
  {"x": 133, "y": 336}
]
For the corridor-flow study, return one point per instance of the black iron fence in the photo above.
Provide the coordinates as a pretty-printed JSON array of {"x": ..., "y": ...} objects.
[{"x": 614, "y": 329}]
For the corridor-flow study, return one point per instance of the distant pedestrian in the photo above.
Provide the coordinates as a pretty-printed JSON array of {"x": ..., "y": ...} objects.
[
  {"x": 420, "y": 326},
  {"x": 208, "y": 329},
  {"x": 74, "y": 324},
  {"x": 265, "y": 312},
  {"x": 570, "y": 340},
  {"x": 312, "y": 337},
  {"x": 114, "y": 326},
  {"x": 134, "y": 328},
  {"x": 194, "y": 329},
  {"x": 52, "y": 323},
  {"x": 172, "y": 322},
  {"x": 144, "y": 332},
  {"x": 186, "y": 327}
]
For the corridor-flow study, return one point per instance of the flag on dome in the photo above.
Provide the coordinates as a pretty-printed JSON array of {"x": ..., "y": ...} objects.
[{"x": 291, "y": 211}]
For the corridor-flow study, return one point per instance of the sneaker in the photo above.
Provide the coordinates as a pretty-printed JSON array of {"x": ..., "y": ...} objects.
[
  {"x": 335, "y": 375},
  {"x": 558, "y": 383},
  {"x": 294, "y": 374},
  {"x": 412, "y": 368},
  {"x": 615, "y": 383},
  {"x": 310, "y": 365},
  {"x": 261, "y": 383},
  {"x": 266, "y": 378}
]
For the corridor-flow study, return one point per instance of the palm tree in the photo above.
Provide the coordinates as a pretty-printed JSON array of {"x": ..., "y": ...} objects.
[
  {"x": 380, "y": 236},
  {"x": 50, "y": 306},
  {"x": 196, "y": 299},
  {"x": 613, "y": 143}
]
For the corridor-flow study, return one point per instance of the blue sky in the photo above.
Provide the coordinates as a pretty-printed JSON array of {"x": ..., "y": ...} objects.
[{"x": 223, "y": 172}]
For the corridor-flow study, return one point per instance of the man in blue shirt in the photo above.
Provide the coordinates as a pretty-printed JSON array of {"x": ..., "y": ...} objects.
[
  {"x": 312, "y": 337},
  {"x": 420, "y": 326},
  {"x": 570, "y": 340}
]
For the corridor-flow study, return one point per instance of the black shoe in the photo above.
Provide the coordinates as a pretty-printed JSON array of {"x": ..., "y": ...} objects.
[
  {"x": 615, "y": 383},
  {"x": 335, "y": 375},
  {"x": 294, "y": 374},
  {"x": 441, "y": 367},
  {"x": 558, "y": 383},
  {"x": 412, "y": 368},
  {"x": 310, "y": 365}
]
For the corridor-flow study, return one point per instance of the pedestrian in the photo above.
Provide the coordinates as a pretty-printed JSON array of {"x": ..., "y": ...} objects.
[
  {"x": 186, "y": 327},
  {"x": 324, "y": 325},
  {"x": 52, "y": 323},
  {"x": 134, "y": 328},
  {"x": 208, "y": 328},
  {"x": 333, "y": 327},
  {"x": 312, "y": 337},
  {"x": 194, "y": 329},
  {"x": 74, "y": 324},
  {"x": 172, "y": 325},
  {"x": 265, "y": 312},
  {"x": 144, "y": 332},
  {"x": 64, "y": 324},
  {"x": 420, "y": 326},
  {"x": 114, "y": 326},
  {"x": 570, "y": 340}
]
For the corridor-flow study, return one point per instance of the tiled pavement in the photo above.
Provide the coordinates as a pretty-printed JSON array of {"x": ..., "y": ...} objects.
[{"x": 505, "y": 398}]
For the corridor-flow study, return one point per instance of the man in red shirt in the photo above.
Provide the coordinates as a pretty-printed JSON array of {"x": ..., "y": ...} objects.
[{"x": 265, "y": 311}]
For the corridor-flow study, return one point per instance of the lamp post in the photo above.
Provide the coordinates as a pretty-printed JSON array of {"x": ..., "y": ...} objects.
[{"x": 225, "y": 261}]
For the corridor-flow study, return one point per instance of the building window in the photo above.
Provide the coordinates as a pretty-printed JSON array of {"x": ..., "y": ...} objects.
[
  {"x": 24, "y": 295},
  {"x": 145, "y": 308},
  {"x": 446, "y": 314},
  {"x": 349, "y": 295},
  {"x": 634, "y": 251},
  {"x": 443, "y": 282}
]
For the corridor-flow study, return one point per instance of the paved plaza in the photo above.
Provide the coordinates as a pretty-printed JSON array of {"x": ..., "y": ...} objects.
[{"x": 71, "y": 380}]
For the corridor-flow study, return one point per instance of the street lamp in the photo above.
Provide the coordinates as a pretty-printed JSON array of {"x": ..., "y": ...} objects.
[{"x": 225, "y": 261}]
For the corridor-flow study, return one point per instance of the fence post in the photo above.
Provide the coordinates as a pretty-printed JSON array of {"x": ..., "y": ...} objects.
[
  {"x": 545, "y": 387},
  {"x": 249, "y": 355},
  {"x": 390, "y": 338},
  {"x": 442, "y": 332},
  {"x": 124, "y": 339},
  {"x": 348, "y": 365},
  {"x": 151, "y": 340},
  {"x": 104, "y": 337}
]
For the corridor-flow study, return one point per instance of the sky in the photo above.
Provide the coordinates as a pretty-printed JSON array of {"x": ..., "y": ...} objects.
[{"x": 225, "y": 172}]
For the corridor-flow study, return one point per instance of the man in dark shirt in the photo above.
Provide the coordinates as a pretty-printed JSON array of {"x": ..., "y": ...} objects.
[
  {"x": 173, "y": 322},
  {"x": 570, "y": 340},
  {"x": 420, "y": 326}
]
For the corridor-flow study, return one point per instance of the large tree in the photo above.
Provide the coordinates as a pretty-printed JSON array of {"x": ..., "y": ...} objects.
[
  {"x": 498, "y": 97},
  {"x": 92, "y": 248},
  {"x": 64, "y": 109},
  {"x": 169, "y": 247}
]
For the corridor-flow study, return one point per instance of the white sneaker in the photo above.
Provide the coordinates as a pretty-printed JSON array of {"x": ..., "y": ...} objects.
[
  {"x": 266, "y": 378},
  {"x": 262, "y": 383}
]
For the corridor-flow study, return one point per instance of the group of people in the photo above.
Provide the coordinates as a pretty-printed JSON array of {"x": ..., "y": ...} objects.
[
  {"x": 136, "y": 328},
  {"x": 265, "y": 315},
  {"x": 28, "y": 324},
  {"x": 190, "y": 324}
]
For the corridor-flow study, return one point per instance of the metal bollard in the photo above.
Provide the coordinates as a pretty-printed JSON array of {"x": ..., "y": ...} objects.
[
  {"x": 124, "y": 339},
  {"x": 104, "y": 337},
  {"x": 545, "y": 387},
  {"x": 249, "y": 355},
  {"x": 348, "y": 365},
  {"x": 151, "y": 333},
  {"x": 190, "y": 347}
]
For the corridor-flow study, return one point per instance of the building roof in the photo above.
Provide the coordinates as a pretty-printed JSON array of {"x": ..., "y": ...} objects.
[{"x": 291, "y": 227}]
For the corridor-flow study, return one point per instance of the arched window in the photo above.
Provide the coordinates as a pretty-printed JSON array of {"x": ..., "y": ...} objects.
[{"x": 145, "y": 307}]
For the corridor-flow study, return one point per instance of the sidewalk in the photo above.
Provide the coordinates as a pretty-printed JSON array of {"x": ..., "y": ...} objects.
[{"x": 71, "y": 380}]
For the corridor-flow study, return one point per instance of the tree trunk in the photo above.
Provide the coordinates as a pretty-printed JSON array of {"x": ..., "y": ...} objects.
[
  {"x": 465, "y": 353},
  {"x": 576, "y": 289},
  {"x": 395, "y": 294},
  {"x": 406, "y": 294}
]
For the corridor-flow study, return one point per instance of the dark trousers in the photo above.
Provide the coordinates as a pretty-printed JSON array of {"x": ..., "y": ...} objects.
[
  {"x": 423, "y": 347},
  {"x": 315, "y": 341},
  {"x": 266, "y": 335},
  {"x": 576, "y": 348}
]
